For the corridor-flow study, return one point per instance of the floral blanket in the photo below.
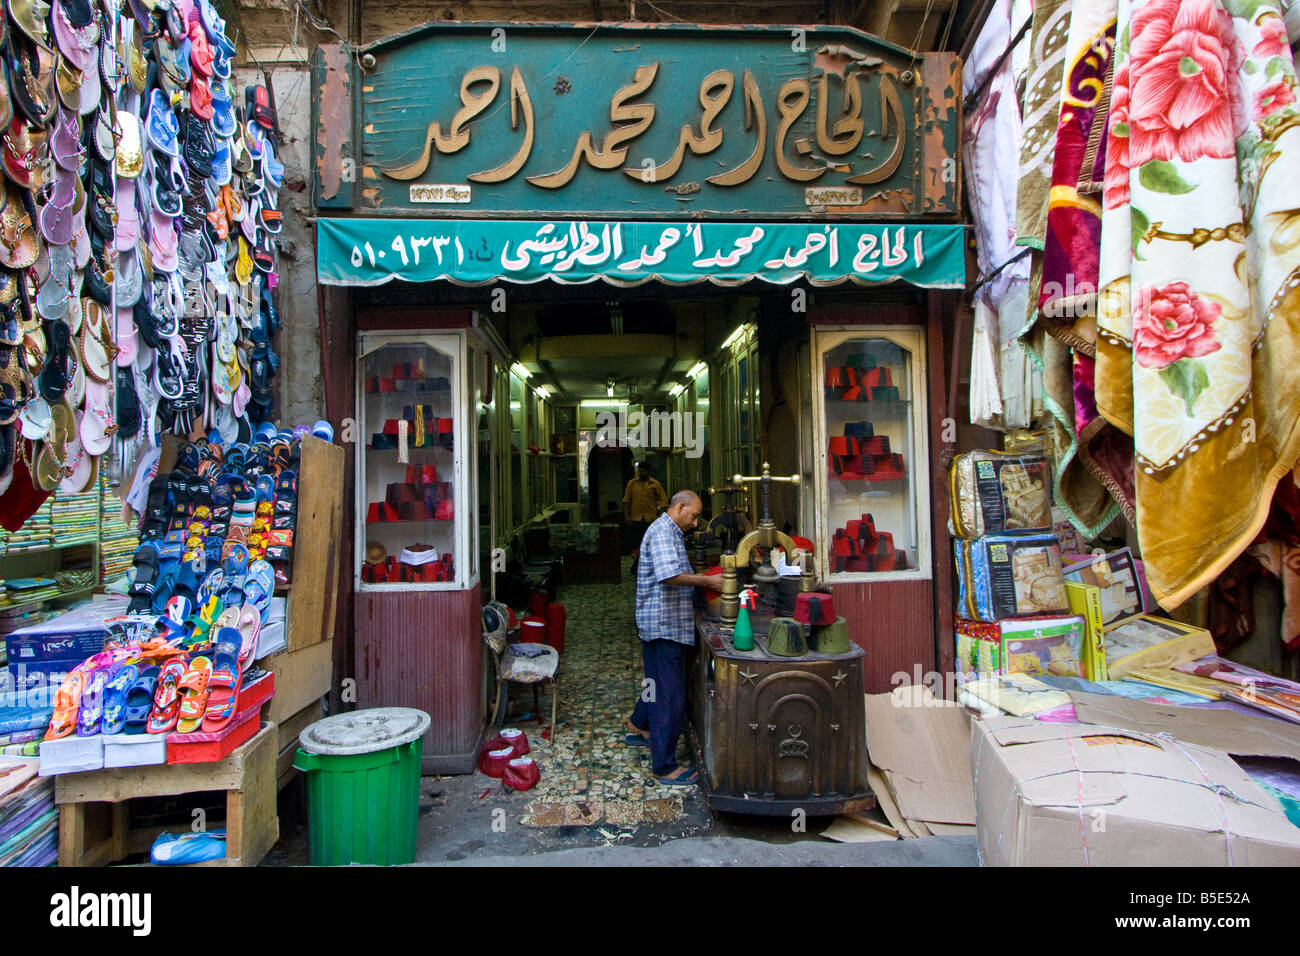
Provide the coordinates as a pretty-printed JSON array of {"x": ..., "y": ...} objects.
[{"x": 1198, "y": 348}]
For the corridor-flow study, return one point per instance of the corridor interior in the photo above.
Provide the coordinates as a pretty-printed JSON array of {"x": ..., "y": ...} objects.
[{"x": 588, "y": 774}]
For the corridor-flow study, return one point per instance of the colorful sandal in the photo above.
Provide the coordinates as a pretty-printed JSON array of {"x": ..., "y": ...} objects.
[
  {"x": 166, "y": 701},
  {"x": 194, "y": 695},
  {"x": 139, "y": 701},
  {"x": 225, "y": 664},
  {"x": 250, "y": 627},
  {"x": 119, "y": 684},
  {"x": 221, "y": 706}
]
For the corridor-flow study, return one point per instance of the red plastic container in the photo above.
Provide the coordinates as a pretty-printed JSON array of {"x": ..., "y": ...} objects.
[
  {"x": 532, "y": 630},
  {"x": 555, "y": 626},
  {"x": 537, "y": 604}
]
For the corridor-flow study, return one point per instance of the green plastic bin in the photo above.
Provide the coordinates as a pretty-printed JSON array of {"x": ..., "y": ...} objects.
[{"x": 363, "y": 785}]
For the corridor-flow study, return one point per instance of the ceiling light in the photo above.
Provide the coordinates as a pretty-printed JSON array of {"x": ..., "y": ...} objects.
[
  {"x": 519, "y": 369},
  {"x": 602, "y": 403},
  {"x": 696, "y": 369},
  {"x": 676, "y": 390},
  {"x": 734, "y": 336},
  {"x": 543, "y": 391}
]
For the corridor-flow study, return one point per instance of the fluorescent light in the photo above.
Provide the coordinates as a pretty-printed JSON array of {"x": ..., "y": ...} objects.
[
  {"x": 609, "y": 391},
  {"x": 701, "y": 401},
  {"x": 543, "y": 391},
  {"x": 519, "y": 369},
  {"x": 676, "y": 390},
  {"x": 696, "y": 369},
  {"x": 602, "y": 402},
  {"x": 515, "y": 406},
  {"x": 734, "y": 336}
]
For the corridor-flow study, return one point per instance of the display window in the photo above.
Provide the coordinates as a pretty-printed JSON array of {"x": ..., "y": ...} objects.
[
  {"x": 414, "y": 514},
  {"x": 873, "y": 473}
]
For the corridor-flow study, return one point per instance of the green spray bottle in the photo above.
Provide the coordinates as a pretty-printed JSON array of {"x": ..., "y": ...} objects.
[{"x": 742, "y": 638}]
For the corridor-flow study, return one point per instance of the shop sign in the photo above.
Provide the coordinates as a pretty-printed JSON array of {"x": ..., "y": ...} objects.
[
  {"x": 642, "y": 122},
  {"x": 376, "y": 251}
]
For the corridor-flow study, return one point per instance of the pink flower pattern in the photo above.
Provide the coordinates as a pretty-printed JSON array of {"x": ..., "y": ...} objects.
[
  {"x": 1171, "y": 323},
  {"x": 1273, "y": 97},
  {"x": 1273, "y": 41},
  {"x": 1117, "y": 143},
  {"x": 1185, "y": 61}
]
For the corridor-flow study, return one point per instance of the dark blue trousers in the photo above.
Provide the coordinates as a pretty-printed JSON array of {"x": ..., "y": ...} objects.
[{"x": 664, "y": 713}]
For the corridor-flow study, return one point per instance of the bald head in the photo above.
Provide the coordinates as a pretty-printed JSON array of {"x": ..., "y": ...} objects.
[{"x": 684, "y": 508}]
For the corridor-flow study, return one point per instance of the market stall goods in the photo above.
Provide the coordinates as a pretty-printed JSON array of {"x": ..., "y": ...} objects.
[{"x": 140, "y": 212}]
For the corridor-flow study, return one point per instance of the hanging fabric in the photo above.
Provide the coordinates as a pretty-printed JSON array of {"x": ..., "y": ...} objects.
[
  {"x": 1198, "y": 350},
  {"x": 990, "y": 148}
]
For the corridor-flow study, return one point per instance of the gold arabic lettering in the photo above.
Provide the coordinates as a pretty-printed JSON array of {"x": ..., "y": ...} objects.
[
  {"x": 715, "y": 93},
  {"x": 753, "y": 112},
  {"x": 890, "y": 105},
  {"x": 519, "y": 101},
  {"x": 629, "y": 122},
  {"x": 834, "y": 143},
  {"x": 791, "y": 101},
  {"x": 457, "y": 136}
]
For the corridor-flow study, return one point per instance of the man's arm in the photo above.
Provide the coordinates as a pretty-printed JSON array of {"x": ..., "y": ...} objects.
[{"x": 713, "y": 581}]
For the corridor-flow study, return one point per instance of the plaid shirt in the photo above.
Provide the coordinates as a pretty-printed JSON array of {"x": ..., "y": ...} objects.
[{"x": 664, "y": 612}]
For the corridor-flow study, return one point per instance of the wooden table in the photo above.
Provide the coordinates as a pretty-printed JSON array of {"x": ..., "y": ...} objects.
[
  {"x": 94, "y": 814},
  {"x": 774, "y": 735}
]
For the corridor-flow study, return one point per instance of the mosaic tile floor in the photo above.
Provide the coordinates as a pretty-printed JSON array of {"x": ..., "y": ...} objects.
[{"x": 589, "y": 775}]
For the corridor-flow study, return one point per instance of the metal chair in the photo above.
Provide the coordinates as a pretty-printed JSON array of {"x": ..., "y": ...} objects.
[{"x": 513, "y": 666}]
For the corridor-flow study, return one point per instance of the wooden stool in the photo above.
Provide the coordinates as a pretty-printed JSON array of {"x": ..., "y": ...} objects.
[{"x": 93, "y": 807}]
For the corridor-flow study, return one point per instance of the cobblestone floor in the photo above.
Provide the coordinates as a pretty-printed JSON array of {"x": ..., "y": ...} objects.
[{"x": 589, "y": 775}]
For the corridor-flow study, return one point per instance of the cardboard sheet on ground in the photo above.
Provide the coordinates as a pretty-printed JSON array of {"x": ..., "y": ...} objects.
[
  {"x": 1226, "y": 730},
  {"x": 885, "y": 801},
  {"x": 922, "y": 746},
  {"x": 858, "y": 828}
]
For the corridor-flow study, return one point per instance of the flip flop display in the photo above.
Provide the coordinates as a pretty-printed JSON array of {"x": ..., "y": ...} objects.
[{"x": 130, "y": 162}]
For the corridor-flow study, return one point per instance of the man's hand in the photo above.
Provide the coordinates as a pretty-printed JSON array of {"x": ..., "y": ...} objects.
[{"x": 710, "y": 581}]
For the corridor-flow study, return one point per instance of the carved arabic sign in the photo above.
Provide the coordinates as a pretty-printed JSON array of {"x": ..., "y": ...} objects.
[{"x": 671, "y": 121}]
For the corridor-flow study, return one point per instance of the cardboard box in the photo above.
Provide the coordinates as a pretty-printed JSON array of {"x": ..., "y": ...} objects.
[
  {"x": 1081, "y": 795},
  {"x": 301, "y": 677},
  {"x": 1146, "y": 641},
  {"x": 72, "y": 636},
  {"x": 135, "y": 750}
]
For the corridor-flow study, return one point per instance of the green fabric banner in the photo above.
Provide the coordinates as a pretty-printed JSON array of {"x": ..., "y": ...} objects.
[{"x": 471, "y": 252}]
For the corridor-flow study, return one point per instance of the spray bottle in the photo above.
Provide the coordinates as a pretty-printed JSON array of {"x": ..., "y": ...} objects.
[{"x": 742, "y": 638}]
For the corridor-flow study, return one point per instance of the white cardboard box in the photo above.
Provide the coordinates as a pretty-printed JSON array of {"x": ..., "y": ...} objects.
[
  {"x": 71, "y": 754},
  {"x": 1049, "y": 794},
  {"x": 135, "y": 750},
  {"x": 273, "y": 637}
]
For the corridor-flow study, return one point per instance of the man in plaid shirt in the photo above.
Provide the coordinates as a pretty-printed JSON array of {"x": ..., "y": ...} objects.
[{"x": 665, "y": 622}]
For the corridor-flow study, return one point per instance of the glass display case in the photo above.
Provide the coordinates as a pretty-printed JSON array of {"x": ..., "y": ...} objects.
[
  {"x": 873, "y": 477},
  {"x": 415, "y": 516}
]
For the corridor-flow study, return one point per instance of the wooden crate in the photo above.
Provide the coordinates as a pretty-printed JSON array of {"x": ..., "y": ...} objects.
[
  {"x": 287, "y": 741},
  {"x": 312, "y": 595},
  {"x": 301, "y": 677},
  {"x": 94, "y": 807}
]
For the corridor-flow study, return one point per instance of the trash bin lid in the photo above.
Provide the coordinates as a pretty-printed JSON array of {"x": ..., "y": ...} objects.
[{"x": 364, "y": 731}]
